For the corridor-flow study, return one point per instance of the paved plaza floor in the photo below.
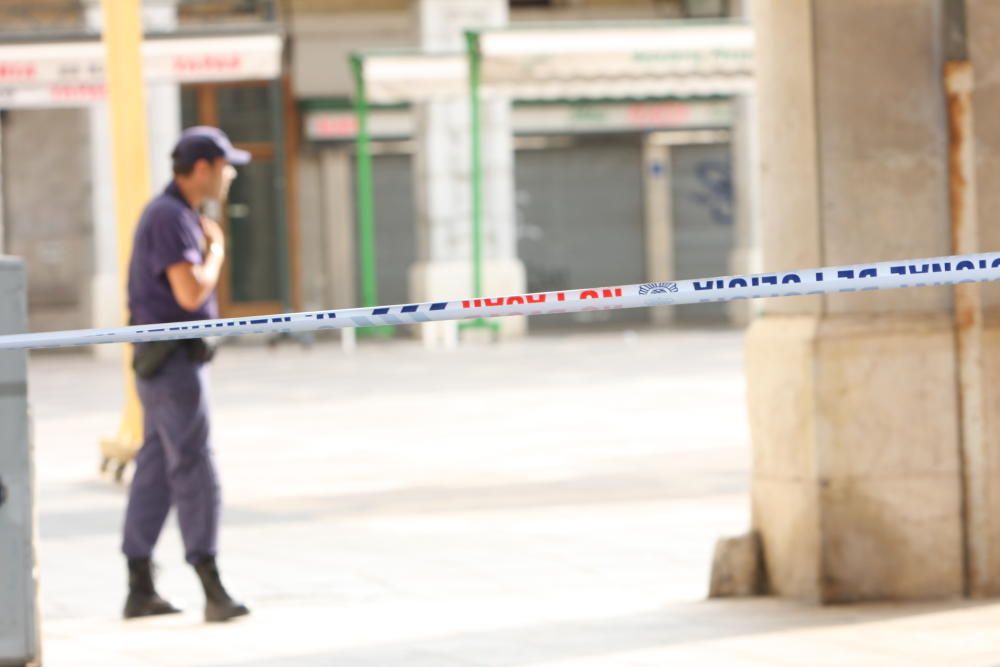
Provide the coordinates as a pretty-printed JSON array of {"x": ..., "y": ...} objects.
[{"x": 551, "y": 502}]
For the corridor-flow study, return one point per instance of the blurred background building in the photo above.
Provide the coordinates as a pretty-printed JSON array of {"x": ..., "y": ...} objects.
[{"x": 592, "y": 180}]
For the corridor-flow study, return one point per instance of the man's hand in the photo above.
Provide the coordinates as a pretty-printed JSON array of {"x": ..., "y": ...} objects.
[{"x": 214, "y": 236}]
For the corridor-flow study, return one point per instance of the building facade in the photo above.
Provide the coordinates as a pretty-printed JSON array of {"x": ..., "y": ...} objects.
[{"x": 589, "y": 192}]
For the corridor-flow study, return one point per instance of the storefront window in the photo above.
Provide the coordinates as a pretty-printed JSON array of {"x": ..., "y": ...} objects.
[
  {"x": 706, "y": 9},
  {"x": 189, "y": 107},
  {"x": 245, "y": 112},
  {"x": 253, "y": 236},
  {"x": 195, "y": 13}
]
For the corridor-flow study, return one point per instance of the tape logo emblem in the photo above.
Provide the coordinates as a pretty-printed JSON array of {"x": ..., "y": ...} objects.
[{"x": 657, "y": 288}]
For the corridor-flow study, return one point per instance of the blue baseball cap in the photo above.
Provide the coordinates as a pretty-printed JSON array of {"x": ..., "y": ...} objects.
[{"x": 206, "y": 143}]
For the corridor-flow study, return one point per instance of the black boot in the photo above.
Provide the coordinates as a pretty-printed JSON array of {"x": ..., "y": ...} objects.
[
  {"x": 143, "y": 600},
  {"x": 219, "y": 606}
]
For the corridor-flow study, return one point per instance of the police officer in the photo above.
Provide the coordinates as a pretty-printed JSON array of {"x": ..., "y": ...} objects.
[{"x": 176, "y": 261}]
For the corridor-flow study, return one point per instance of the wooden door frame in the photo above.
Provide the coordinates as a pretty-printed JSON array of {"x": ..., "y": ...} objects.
[{"x": 208, "y": 114}]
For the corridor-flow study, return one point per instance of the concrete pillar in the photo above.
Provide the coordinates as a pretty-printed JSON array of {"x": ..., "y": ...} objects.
[
  {"x": 105, "y": 288},
  {"x": 857, "y": 489},
  {"x": 164, "y": 127},
  {"x": 442, "y": 177},
  {"x": 19, "y": 619},
  {"x": 983, "y": 22},
  {"x": 313, "y": 231},
  {"x": 338, "y": 225}
]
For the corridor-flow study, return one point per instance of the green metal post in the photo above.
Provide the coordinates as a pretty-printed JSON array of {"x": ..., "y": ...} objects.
[
  {"x": 366, "y": 198},
  {"x": 476, "y": 140},
  {"x": 477, "y": 165}
]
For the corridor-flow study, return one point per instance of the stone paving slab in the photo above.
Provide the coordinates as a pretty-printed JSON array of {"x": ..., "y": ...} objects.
[{"x": 546, "y": 503}]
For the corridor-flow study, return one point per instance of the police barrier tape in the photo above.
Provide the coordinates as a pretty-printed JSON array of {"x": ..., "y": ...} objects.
[{"x": 951, "y": 270}]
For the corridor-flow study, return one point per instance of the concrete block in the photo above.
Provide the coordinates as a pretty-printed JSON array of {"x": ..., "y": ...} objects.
[
  {"x": 786, "y": 514},
  {"x": 991, "y": 414},
  {"x": 737, "y": 567},
  {"x": 780, "y": 395},
  {"x": 856, "y": 482},
  {"x": 891, "y": 538},
  {"x": 886, "y": 400}
]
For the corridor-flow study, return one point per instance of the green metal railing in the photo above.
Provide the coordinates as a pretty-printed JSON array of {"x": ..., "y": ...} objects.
[
  {"x": 366, "y": 200},
  {"x": 476, "y": 141}
]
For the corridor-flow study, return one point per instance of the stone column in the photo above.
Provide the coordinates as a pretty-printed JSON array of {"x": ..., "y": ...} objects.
[
  {"x": 442, "y": 177},
  {"x": 338, "y": 225},
  {"x": 857, "y": 489},
  {"x": 983, "y": 24}
]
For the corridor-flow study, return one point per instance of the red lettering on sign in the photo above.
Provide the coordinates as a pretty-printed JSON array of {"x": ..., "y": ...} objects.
[
  {"x": 589, "y": 294},
  {"x": 667, "y": 113},
  {"x": 77, "y": 93},
  {"x": 536, "y": 298},
  {"x": 17, "y": 71},
  {"x": 336, "y": 126},
  {"x": 208, "y": 63}
]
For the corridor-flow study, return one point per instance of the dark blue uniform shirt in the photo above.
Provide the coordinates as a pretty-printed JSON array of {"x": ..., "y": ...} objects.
[{"x": 169, "y": 232}]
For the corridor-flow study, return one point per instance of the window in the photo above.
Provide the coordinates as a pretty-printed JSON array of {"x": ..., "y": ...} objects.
[{"x": 706, "y": 9}]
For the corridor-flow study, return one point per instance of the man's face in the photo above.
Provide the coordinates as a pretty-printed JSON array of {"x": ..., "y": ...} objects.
[{"x": 214, "y": 178}]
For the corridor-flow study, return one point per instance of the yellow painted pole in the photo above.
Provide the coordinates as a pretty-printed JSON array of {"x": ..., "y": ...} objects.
[{"x": 127, "y": 107}]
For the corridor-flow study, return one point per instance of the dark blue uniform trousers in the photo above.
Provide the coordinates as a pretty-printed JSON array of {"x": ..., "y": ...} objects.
[{"x": 175, "y": 465}]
